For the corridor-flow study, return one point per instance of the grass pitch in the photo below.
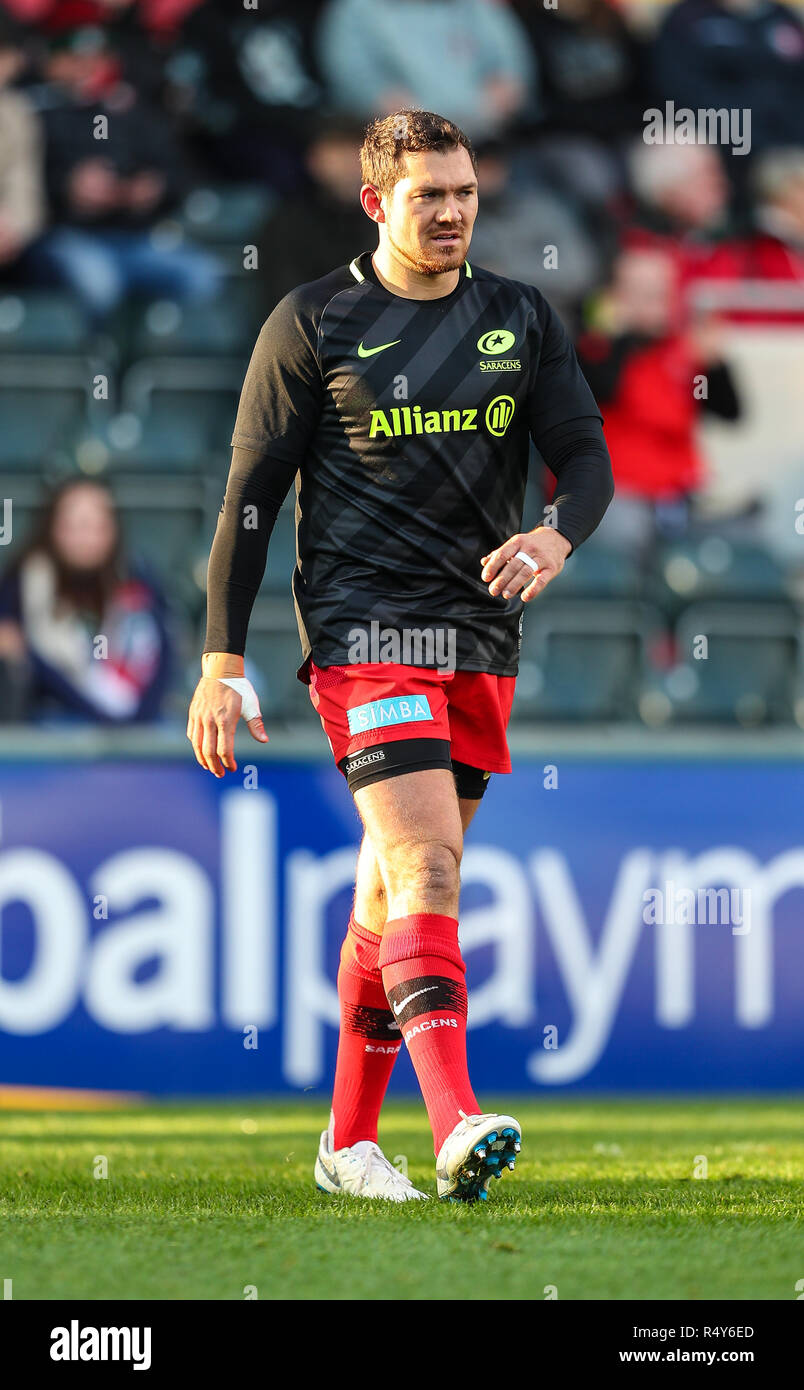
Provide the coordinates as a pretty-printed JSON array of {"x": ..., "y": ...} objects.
[{"x": 206, "y": 1201}]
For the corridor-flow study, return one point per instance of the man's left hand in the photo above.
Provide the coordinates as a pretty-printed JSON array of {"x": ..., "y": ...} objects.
[{"x": 507, "y": 575}]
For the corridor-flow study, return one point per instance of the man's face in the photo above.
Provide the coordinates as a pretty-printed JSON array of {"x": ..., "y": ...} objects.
[
  {"x": 645, "y": 288},
  {"x": 699, "y": 196},
  {"x": 430, "y": 211},
  {"x": 335, "y": 165}
]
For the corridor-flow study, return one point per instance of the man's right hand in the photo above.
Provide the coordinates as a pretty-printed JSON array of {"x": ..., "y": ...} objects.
[{"x": 214, "y": 712}]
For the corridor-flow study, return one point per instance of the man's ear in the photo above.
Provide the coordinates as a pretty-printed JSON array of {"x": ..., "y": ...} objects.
[{"x": 371, "y": 203}]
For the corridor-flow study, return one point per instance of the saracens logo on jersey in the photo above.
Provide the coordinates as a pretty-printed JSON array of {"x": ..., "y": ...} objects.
[
  {"x": 493, "y": 344},
  {"x": 411, "y": 419},
  {"x": 496, "y": 342}
]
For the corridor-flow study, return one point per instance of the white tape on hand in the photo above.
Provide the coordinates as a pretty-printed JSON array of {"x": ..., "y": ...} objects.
[
  {"x": 528, "y": 559},
  {"x": 251, "y": 705}
]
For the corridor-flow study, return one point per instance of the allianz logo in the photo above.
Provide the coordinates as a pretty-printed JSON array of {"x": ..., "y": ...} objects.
[
  {"x": 218, "y": 955},
  {"x": 412, "y": 419}
]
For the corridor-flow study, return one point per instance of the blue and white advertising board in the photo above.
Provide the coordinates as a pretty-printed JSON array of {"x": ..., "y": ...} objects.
[{"x": 627, "y": 925}]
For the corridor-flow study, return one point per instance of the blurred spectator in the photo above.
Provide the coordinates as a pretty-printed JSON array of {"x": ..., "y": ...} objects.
[
  {"x": 107, "y": 193},
  {"x": 466, "y": 58},
  {"x": 777, "y": 252},
  {"x": 683, "y": 204},
  {"x": 248, "y": 81},
  {"x": 29, "y": 11},
  {"x": 141, "y": 31},
  {"x": 735, "y": 54},
  {"x": 323, "y": 227},
  {"x": 532, "y": 230},
  {"x": 69, "y": 587},
  {"x": 651, "y": 375},
  {"x": 681, "y": 191},
  {"x": 589, "y": 64},
  {"x": 22, "y": 194},
  {"x": 158, "y": 16}
]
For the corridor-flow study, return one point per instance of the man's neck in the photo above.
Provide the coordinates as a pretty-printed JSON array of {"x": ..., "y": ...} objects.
[{"x": 398, "y": 277}]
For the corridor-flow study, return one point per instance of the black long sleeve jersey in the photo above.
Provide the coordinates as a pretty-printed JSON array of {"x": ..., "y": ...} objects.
[{"x": 405, "y": 424}]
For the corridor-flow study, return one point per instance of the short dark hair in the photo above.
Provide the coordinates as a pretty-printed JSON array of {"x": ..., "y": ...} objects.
[{"x": 408, "y": 131}]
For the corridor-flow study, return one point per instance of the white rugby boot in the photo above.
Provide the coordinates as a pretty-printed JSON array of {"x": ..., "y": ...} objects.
[
  {"x": 479, "y": 1148},
  {"x": 362, "y": 1171}
]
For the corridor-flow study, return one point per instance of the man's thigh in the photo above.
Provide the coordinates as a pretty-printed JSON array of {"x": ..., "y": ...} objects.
[
  {"x": 405, "y": 812},
  {"x": 368, "y": 864}
]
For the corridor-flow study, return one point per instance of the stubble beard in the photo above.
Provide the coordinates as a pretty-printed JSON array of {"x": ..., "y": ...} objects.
[{"x": 425, "y": 263}]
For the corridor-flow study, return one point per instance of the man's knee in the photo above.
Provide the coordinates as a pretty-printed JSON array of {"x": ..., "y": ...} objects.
[{"x": 429, "y": 868}]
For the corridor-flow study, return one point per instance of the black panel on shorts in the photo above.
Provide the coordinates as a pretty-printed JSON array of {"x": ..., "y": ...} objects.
[
  {"x": 470, "y": 782},
  {"x": 380, "y": 760}
]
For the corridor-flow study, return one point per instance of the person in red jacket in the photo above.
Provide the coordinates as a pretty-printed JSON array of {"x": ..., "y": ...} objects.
[
  {"x": 652, "y": 374},
  {"x": 741, "y": 264}
]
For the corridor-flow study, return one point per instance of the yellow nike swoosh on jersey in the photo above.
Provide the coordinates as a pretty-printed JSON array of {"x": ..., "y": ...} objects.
[{"x": 369, "y": 352}]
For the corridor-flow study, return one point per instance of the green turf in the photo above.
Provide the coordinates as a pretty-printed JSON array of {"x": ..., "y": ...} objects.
[{"x": 204, "y": 1200}]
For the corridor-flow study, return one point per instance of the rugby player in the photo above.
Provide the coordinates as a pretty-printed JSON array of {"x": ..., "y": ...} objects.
[{"x": 400, "y": 393}]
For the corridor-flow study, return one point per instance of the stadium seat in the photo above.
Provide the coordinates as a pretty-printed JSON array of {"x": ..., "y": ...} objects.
[
  {"x": 230, "y": 214},
  {"x": 583, "y": 660},
  {"x": 597, "y": 571},
  {"x": 273, "y": 656},
  {"x": 163, "y": 526},
  {"x": 42, "y": 321},
  {"x": 220, "y": 328},
  {"x": 712, "y": 567},
  {"x": 214, "y": 411},
  {"x": 39, "y": 428},
  {"x": 173, "y": 441},
  {"x": 740, "y": 664},
  {"x": 209, "y": 389}
]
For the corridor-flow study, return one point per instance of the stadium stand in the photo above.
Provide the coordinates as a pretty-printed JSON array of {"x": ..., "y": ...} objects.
[
  {"x": 614, "y": 639},
  {"x": 584, "y": 659}
]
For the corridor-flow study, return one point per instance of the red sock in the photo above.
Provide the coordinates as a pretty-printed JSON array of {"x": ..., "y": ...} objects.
[
  {"x": 423, "y": 975},
  {"x": 369, "y": 1040}
]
